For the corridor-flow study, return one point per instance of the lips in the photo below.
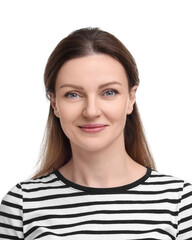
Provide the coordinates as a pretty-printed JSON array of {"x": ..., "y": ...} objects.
[{"x": 92, "y": 128}]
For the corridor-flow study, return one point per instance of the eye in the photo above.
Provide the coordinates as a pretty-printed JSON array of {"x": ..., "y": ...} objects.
[
  {"x": 72, "y": 95},
  {"x": 110, "y": 93}
]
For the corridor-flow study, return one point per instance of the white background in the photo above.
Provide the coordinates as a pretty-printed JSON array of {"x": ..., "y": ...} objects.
[{"x": 157, "y": 33}]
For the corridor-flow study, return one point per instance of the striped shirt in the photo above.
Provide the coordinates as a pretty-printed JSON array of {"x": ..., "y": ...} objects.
[{"x": 156, "y": 206}]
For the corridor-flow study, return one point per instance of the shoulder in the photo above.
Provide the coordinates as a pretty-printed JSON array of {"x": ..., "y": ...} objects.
[
  {"x": 17, "y": 194},
  {"x": 12, "y": 204},
  {"x": 157, "y": 176},
  {"x": 179, "y": 193},
  {"x": 39, "y": 183},
  {"x": 172, "y": 184},
  {"x": 160, "y": 182}
]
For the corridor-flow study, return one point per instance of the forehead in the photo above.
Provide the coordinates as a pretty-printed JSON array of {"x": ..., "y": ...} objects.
[{"x": 97, "y": 69}]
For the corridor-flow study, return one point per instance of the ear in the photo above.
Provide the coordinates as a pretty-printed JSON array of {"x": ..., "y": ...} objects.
[
  {"x": 132, "y": 99},
  {"x": 54, "y": 104}
]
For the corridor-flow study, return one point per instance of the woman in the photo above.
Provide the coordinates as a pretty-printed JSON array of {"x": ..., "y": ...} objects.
[{"x": 97, "y": 178}]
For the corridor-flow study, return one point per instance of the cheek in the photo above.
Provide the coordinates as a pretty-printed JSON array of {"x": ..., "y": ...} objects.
[
  {"x": 69, "y": 113},
  {"x": 117, "y": 112},
  {"x": 118, "y": 108},
  {"x": 66, "y": 120}
]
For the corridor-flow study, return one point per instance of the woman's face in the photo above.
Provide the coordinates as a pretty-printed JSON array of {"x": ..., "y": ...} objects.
[{"x": 92, "y": 100}]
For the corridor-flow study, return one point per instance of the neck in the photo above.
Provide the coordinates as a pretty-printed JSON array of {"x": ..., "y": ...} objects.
[{"x": 110, "y": 167}]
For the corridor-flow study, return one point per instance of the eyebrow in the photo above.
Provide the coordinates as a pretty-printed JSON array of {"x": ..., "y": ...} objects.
[
  {"x": 109, "y": 83},
  {"x": 72, "y": 86},
  {"x": 81, "y": 88}
]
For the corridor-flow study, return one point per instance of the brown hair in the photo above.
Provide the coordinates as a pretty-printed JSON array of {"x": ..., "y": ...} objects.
[{"x": 56, "y": 150}]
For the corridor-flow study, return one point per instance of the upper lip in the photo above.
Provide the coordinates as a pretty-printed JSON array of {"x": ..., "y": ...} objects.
[{"x": 92, "y": 125}]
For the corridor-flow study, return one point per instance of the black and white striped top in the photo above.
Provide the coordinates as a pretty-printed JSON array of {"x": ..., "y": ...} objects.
[{"x": 51, "y": 207}]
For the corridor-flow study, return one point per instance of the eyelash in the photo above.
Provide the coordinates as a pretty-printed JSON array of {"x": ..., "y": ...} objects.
[
  {"x": 71, "y": 94},
  {"x": 67, "y": 95},
  {"x": 115, "y": 92}
]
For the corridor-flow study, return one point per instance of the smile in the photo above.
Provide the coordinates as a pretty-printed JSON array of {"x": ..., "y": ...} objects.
[{"x": 92, "y": 128}]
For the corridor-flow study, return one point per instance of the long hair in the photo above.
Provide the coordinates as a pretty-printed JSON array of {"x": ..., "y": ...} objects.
[{"x": 56, "y": 150}]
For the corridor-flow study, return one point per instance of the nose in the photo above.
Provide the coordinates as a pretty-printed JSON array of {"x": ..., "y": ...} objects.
[{"x": 91, "y": 108}]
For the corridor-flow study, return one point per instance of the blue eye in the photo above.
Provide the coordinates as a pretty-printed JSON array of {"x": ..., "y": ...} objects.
[
  {"x": 110, "y": 93},
  {"x": 71, "y": 95}
]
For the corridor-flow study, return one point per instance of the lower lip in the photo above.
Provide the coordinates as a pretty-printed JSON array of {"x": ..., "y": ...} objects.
[{"x": 92, "y": 129}]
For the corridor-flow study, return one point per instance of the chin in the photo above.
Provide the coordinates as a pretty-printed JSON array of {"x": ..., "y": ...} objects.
[{"x": 92, "y": 145}]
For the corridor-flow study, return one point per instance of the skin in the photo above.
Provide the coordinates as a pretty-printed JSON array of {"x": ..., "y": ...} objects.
[{"x": 94, "y": 90}]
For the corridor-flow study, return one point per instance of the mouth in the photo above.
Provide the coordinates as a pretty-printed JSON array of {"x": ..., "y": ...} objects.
[{"x": 92, "y": 128}]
